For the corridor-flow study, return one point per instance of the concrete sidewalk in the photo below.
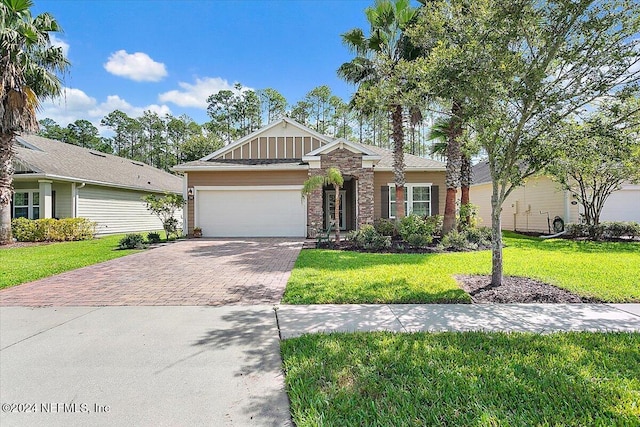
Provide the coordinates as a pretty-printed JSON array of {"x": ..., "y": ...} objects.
[
  {"x": 175, "y": 366},
  {"x": 141, "y": 366},
  {"x": 295, "y": 320}
]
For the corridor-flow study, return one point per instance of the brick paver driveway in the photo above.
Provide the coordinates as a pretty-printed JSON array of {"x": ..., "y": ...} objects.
[{"x": 191, "y": 272}]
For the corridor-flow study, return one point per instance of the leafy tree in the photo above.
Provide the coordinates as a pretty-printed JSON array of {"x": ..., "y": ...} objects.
[
  {"x": 30, "y": 66},
  {"x": 273, "y": 104},
  {"x": 375, "y": 71},
  {"x": 118, "y": 122},
  {"x": 165, "y": 208},
  {"x": 220, "y": 110},
  {"x": 530, "y": 64},
  {"x": 198, "y": 146},
  {"x": 83, "y": 133},
  {"x": 52, "y": 130},
  {"x": 332, "y": 177},
  {"x": 596, "y": 156}
]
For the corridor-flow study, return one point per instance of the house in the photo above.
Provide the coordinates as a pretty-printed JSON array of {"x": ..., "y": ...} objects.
[
  {"x": 528, "y": 206},
  {"x": 252, "y": 187},
  {"x": 53, "y": 179}
]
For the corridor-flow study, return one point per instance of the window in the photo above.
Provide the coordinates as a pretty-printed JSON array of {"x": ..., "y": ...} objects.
[
  {"x": 417, "y": 199},
  {"x": 26, "y": 204}
]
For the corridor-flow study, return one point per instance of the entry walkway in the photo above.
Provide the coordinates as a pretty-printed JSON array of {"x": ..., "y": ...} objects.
[{"x": 295, "y": 320}]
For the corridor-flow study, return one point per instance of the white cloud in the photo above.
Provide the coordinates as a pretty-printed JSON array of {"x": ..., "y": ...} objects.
[
  {"x": 135, "y": 66},
  {"x": 195, "y": 95},
  {"x": 55, "y": 41},
  {"x": 75, "y": 104}
]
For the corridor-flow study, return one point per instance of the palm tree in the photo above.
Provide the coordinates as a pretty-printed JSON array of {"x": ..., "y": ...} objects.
[
  {"x": 332, "y": 177},
  {"x": 375, "y": 65},
  {"x": 446, "y": 132},
  {"x": 29, "y": 65}
]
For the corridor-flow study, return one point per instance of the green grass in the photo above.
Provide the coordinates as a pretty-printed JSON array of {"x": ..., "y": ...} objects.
[
  {"x": 25, "y": 264},
  {"x": 479, "y": 379},
  {"x": 604, "y": 271}
]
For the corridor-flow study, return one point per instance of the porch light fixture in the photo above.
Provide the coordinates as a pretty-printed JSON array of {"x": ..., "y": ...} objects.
[{"x": 190, "y": 193}]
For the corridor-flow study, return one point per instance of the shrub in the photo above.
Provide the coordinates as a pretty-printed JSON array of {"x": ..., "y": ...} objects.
[
  {"x": 153, "y": 237},
  {"x": 604, "y": 230},
  {"x": 52, "y": 230},
  {"x": 385, "y": 227},
  {"x": 480, "y": 236},
  {"x": 457, "y": 241},
  {"x": 26, "y": 230},
  {"x": 468, "y": 210},
  {"x": 414, "y": 225},
  {"x": 419, "y": 240},
  {"x": 369, "y": 239},
  {"x": 435, "y": 222},
  {"x": 132, "y": 241}
]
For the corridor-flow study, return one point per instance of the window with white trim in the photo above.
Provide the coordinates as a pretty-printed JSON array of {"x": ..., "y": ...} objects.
[
  {"x": 26, "y": 204},
  {"x": 417, "y": 199}
]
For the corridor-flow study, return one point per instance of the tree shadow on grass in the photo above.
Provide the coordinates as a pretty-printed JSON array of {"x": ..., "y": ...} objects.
[{"x": 251, "y": 334}]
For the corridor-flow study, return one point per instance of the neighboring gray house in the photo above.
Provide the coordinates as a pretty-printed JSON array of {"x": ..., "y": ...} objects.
[{"x": 57, "y": 180}]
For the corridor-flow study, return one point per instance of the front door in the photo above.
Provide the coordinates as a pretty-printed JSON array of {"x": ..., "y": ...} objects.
[{"x": 330, "y": 208}]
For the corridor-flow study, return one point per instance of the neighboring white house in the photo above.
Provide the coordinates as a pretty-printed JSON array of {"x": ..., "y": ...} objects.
[
  {"x": 57, "y": 180},
  {"x": 528, "y": 206}
]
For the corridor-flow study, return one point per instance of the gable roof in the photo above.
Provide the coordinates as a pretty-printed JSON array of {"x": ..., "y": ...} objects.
[
  {"x": 411, "y": 162},
  {"x": 480, "y": 173},
  {"x": 284, "y": 121},
  {"x": 344, "y": 144},
  {"x": 47, "y": 158}
]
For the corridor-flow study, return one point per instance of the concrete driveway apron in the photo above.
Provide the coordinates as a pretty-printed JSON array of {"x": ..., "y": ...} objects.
[{"x": 191, "y": 272}]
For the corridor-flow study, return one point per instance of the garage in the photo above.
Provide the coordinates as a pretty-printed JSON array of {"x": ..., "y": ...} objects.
[
  {"x": 238, "y": 211},
  {"x": 623, "y": 205}
]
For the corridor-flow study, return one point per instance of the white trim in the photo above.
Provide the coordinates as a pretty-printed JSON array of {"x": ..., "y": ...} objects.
[
  {"x": 410, "y": 186},
  {"x": 31, "y": 176},
  {"x": 342, "y": 144},
  {"x": 185, "y": 209},
  {"x": 273, "y": 167},
  {"x": 30, "y": 205},
  {"x": 246, "y": 187},
  {"x": 413, "y": 169}
]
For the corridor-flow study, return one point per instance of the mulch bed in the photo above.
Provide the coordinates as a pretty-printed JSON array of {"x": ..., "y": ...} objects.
[{"x": 516, "y": 290}]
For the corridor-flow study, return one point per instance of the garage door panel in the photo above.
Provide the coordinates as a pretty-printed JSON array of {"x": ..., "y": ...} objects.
[{"x": 251, "y": 213}]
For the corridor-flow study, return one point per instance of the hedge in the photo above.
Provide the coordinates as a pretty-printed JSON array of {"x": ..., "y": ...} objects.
[{"x": 52, "y": 230}]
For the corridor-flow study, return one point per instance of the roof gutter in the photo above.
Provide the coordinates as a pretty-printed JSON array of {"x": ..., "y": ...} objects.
[
  {"x": 238, "y": 168},
  {"x": 25, "y": 176}
]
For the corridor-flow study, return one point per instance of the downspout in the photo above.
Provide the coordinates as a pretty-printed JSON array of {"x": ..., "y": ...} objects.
[
  {"x": 75, "y": 198},
  {"x": 567, "y": 207}
]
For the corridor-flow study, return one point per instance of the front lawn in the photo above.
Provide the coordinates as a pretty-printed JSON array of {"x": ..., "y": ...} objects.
[
  {"x": 606, "y": 271},
  {"x": 381, "y": 378},
  {"x": 25, "y": 264}
]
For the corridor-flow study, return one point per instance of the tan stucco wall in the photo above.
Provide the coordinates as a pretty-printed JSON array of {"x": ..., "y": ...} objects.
[
  {"x": 538, "y": 194},
  {"x": 384, "y": 178}
]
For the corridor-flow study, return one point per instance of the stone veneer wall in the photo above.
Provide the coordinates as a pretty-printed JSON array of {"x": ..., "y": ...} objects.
[{"x": 349, "y": 164}]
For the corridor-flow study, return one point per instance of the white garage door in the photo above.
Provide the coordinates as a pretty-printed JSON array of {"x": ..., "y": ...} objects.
[
  {"x": 270, "y": 211},
  {"x": 623, "y": 205}
]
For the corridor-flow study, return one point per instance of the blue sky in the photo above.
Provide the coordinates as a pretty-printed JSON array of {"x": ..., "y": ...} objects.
[{"x": 169, "y": 56}]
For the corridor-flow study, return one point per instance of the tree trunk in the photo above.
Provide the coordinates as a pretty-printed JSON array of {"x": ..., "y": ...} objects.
[
  {"x": 496, "y": 238},
  {"x": 452, "y": 168},
  {"x": 6, "y": 186},
  {"x": 398, "y": 159},
  {"x": 465, "y": 183},
  {"x": 336, "y": 213}
]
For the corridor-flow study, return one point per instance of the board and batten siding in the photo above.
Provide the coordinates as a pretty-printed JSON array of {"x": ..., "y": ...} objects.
[
  {"x": 116, "y": 210},
  {"x": 521, "y": 210}
]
